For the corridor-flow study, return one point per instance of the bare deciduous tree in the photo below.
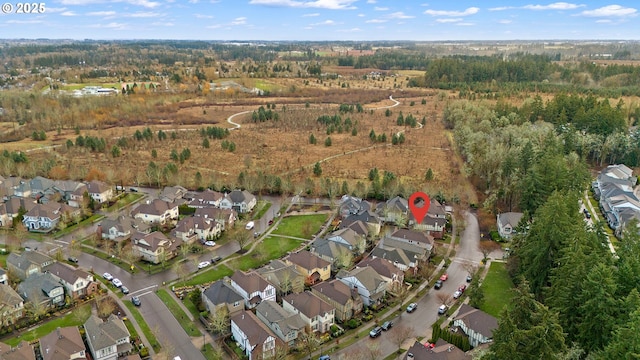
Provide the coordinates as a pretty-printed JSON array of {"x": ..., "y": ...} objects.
[
  {"x": 105, "y": 306},
  {"x": 486, "y": 247},
  {"x": 400, "y": 333},
  {"x": 444, "y": 298}
]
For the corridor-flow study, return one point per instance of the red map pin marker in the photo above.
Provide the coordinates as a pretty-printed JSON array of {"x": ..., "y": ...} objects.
[{"x": 419, "y": 199}]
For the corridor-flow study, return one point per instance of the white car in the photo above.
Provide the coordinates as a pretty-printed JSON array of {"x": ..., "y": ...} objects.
[
  {"x": 203, "y": 264},
  {"x": 210, "y": 243},
  {"x": 107, "y": 276},
  {"x": 116, "y": 282},
  {"x": 457, "y": 294}
]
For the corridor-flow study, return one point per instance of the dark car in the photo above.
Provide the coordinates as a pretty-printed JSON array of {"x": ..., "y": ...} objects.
[
  {"x": 136, "y": 301},
  {"x": 216, "y": 259},
  {"x": 438, "y": 284},
  {"x": 270, "y": 221},
  {"x": 124, "y": 289},
  {"x": 469, "y": 278},
  {"x": 586, "y": 213},
  {"x": 387, "y": 325},
  {"x": 375, "y": 332},
  {"x": 73, "y": 259}
]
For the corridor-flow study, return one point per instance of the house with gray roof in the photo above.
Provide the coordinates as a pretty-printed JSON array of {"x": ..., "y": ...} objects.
[
  {"x": 252, "y": 287},
  {"x": 241, "y": 201},
  {"x": 11, "y": 208},
  {"x": 394, "y": 210},
  {"x": 203, "y": 199},
  {"x": 41, "y": 186},
  {"x": 345, "y": 300},
  {"x": 253, "y": 336},
  {"x": 507, "y": 223},
  {"x": 285, "y": 324},
  {"x": 99, "y": 191},
  {"x": 359, "y": 227},
  {"x": 225, "y": 217},
  {"x": 351, "y": 205},
  {"x": 403, "y": 255},
  {"x": 316, "y": 313},
  {"x": 385, "y": 268},
  {"x": 476, "y": 324},
  {"x": 117, "y": 229},
  {"x": 42, "y": 290},
  {"x": 413, "y": 237},
  {"x": 11, "y": 306},
  {"x": 284, "y": 277},
  {"x": 77, "y": 282},
  {"x": 441, "y": 350},
  {"x": 368, "y": 217},
  {"x": 370, "y": 285},
  {"x": 221, "y": 295},
  {"x": 338, "y": 254},
  {"x": 27, "y": 263},
  {"x": 173, "y": 194},
  {"x": 72, "y": 192},
  {"x": 107, "y": 340},
  {"x": 350, "y": 238},
  {"x": 63, "y": 343},
  {"x": 156, "y": 211},
  {"x": 24, "y": 351},
  {"x": 155, "y": 247},
  {"x": 192, "y": 228}
]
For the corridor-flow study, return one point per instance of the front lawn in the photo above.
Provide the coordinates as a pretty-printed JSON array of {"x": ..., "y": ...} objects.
[
  {"x": 269, "y": 249},
  {"x": 301, "y": 226},
  {"x": 261, "y": 209},
  {"x": 69, "y": 229},
  {"x": 75, "y": 318},
  {"x": 178, "y": 313},
  {"x": 208, "y": 276},
  {"x": 497, "y": 286}
]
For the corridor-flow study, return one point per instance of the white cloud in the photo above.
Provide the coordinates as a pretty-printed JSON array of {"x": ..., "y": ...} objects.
[
  {"x": 112, "y": 25},
  {"x": 317, "y": 4},
  {"x": 400, "y": 15},
  {"x": 379, "y": 8},
  {"x": 201, "y": 16},
  {"x": 326, "y": 22},
  {"x": 501, "y": 8},
  {"x": 350, "y": 30},
  {"x": 449, "y": 20},
  {"x": 162, "y": 23},
  {"x": 239, "y": 21},
  {"x": 56, "y": 10},
  {"x": 371, "y": 1},
  {"x": 505, "y": 21},
  {"x": 604, "y": 21},
  {"x": 24, "y": 22},
  {"x": 311, "y": 15},
  {"x": 466, "y": 12},
  {"x": 216, "y": 26},
  {"x": 554, "y": 6},
  {"x": 141, "y": 14},
  {"x": 144, "y": 3},
  {"x": 376, "y": 21},
  {"x": 193, "y": 1},
  {"x": 68, "y": 13},
  {"x": 361, "y": 15},
  {"x": 464, "y": 24},
  {"x": 101, "y": 13},
  {"x": 611, "y": 10}
]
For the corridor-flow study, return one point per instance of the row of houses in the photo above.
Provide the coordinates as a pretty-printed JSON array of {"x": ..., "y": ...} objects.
[{"x": 617, "y": 198}]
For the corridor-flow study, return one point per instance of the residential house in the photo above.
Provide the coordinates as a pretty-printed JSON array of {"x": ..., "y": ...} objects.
[
  {"x": 359, "y": 226},
  {"x": 45, "y": 217},
  {"x": 42, "y": 290},
  {"x": 11, "y": 208},
  {"x": 77, "y": 282},
  {"x": 117, "y": 229},
  {"x": 316, "y": 313},
  {"x": 27, "y": 263},
  {"x": 284, "y": 277},
  {"x": 4, "y": 278},
  {"x": 173, "y": 194},
  {"x": 367, "y": 217},
  {"x": 395, "y": 211},
  {"x": 312, "y": 266},
  {"x": 221, "y": 295},
  {"x": 24, "y": 351},
  {"x": 338, "y": 254},
  {"x": 225, "y": 217},
  {"x": 507, "y": 223},
  {"x": 345, "y": 300},
  {"x": 253, "y": 288},
  {"x": 72, "y": 192},
  {"x": 370, "y": 285},
  {"x": 476, "y": 324},
  {"x": 11, "y": 306},
  {"x": 99, "y": 191},
  {"x": 155, "y": 247},
  {"x": 413, "y": 237},
  {"x": 203, "y": 199},
  {"x": 107, "y": 340},
  {"x": 349, "y": 237},
  {"x": 241, "y": 201},
  {"x": 193, "y": 228},
  {"x": 41, "y": 187},
  {"x": 156, "y": 212},
  {"x": 285, "y": 324},
  {"x": 63, "y": 343},
  {"x": 393, "y": 276},
  {"x": 351, "y": 205},
  {"x": 22, "y": 189},
  {"x": 402, "y": 254},
  {"x": 441, "y": 350},
  {"x": 434, "y": 226},
  {"x": 253, "y": 336}
]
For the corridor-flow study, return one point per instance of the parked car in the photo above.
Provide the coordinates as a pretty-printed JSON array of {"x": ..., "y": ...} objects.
[
  {"x": 457, "y": 294},
  {"x": 587, "y": 214},
  {"x": 444, "y": 277},
  {"x": 387, "y": 325},
  {"x": 412, "y": 307},
  {"x": 136, "y": 301},
  {"x": 116, "y": 282},
  {"x": 107, "y": 276},
  {"x": 124, "y": 289},
  {"x": 210, "y": 243},
  {"x": 73, "y": 259},
  {"x": 215, "y": 259},
  {"x": 443, "y": 309},
  {"x": 462, "y": 288},
  {"x": 375, "y": 332},
  {"x": 469, "y": 278},
  {"x": 438, "y": 284},
  {"x": 271, "y": 222},
  {"x": 250, "y": 225},
  {"x": 203, "y": 264},
  {"x": 324, "y": 357}
]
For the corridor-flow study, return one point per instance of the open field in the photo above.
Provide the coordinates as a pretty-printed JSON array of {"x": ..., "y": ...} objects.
[
  {"x": 74, "y": 318},
  {"x": 497, "y": 287}
]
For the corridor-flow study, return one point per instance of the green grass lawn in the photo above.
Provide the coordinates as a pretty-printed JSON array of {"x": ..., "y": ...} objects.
[
  {"x": 302, "y": 226},
  {"x": 209, "y": 352},
  {"x": 191, "y": 306},
  {"x": 497, "y": 287},
  {"x": 261, "y": 209},
  {"x": 269, "y": 249},
  {"x": 3, "y": 260},
  {"x": 74, "y": 318},
  {"x": 211, "y": 275},
  {"x": 114, "y": 260},
  {"x": 88, "y": 221},
  {"x": 143, "y": 326},
  {"x": 178, "y": 313},
  {"x": 124, "y": 201}
]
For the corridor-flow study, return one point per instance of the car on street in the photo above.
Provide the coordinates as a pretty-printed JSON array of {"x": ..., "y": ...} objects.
[
  {"x": 271, "y": 222},
  {"x": 136, "y": 301},
  {"x": 116, "y": 282},
  {"x": 250, "y": 225},
  {"x": 124, "y": 289},
  {"x": 73, "y": 259},
  {"x": 586, "y": 213},
  {"x": 457, "y": 294},
  {"x": 412, "y": 307},
  {"x": 387, "y": 325},
  {"x": 210, "y": 243},
  {"x": 462, "y": 288},
  {"x": 375, "y": 332},
  {"x": 438, "y": 284},
  {"x": 444, "y": 277},
  {"x": 469, "y": 278},
  {"x": 215, "y": 259},
  {"x": 203, "y": 264},
  {"x": 443, "y": 309},
  {"x": 324, "y": 357},
  {"x": 107, "y": 276}
]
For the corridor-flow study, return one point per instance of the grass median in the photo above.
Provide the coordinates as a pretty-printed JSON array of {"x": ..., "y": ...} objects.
[
  {"x": 144, "y": 326},
  {"x": 178, "y": 313}
]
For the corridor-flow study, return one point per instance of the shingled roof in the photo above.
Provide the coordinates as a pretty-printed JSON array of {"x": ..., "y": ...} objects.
[
  {"x": 307, "y": 260},
  {"x": 308, "y": 304}
]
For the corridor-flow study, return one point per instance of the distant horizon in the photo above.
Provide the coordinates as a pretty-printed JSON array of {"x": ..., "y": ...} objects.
[
  {"x": 323, "y": 20},
  {"x": 328, "y": 41}
]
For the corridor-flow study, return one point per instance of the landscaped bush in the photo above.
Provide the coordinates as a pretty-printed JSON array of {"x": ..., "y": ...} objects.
[{"x": 353, "y": 323}]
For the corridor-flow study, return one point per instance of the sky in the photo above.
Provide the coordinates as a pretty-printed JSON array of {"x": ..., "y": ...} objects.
[{"x": 318, "y": 20}]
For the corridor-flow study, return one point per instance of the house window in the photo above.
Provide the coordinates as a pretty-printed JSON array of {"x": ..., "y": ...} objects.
[{"x": 237, "y": 303}]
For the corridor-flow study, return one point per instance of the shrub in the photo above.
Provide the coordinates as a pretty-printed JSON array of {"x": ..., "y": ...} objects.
[{"x": 353, "y": 323}]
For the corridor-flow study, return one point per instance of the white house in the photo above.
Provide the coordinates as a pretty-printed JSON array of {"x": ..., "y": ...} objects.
[
  {"x": 99, "y": 191},
  {"x": 477, "y": 324},
  {"x": 253, "y": 288},
  {"x": 252, "y": 336},
  {"x": 318, "y": 314},
  {"x": 370, "y": 285},
  {"x": 156, "y": 212},
  {"x": 241, "y": 201},
  {"x": 507, "y": 223},
  {"x": 77, "y": 282},
  {"x": 107, "y": 340}
]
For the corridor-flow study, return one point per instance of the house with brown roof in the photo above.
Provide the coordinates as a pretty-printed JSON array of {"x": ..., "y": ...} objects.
[
  {"x": 24, "y": 351},
  {"x": 27, "y": 263},
  {"x": 350, "y": 238},
  {"x": 413, "y": 237},
  {"x": 476, "y": 324},
  {"x": 369, "y": 284},
  {"x": 225, "y": 217},
  {"x": 71, "y": 192},
  {"x": 77, "y": 282},
  {"x": 11, "y": 208},
  {"x": 368, "y": 218},
  {"x": 192, "y": 228},
  {"x": 99, "y": 191},
  {"x": 172, "y": 194},
  {"x": 312, "y": 266},
  {"x": 253, "y": 336},
  {"x": 202, "y": 199},
  {"x": 393, "y": 276},
  {"x": 253, "y": 288},
  {"x": 107, "y": 340},
  {"x": 402, "y": 254},
  {"x": 359, "y": 226},
  {"x": 45, "y": 217},
  {"x": 285, "y": 324},
  {"x": 284, "y": 277},
  {"x": 117, "y": 229},
  {"x": 11, "y": 306},
  {"x": 441, "y": 350},
  {"x": 221, "y": 295},
  {"x": 63, "y": 343},
  {"x": 156, "y": 211},
  {"x": 317, "y": 313},
  {"x": 241, "y": 201},
  {"x": 345, "y": 300},
  {"x": 154, "y": 247}
]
